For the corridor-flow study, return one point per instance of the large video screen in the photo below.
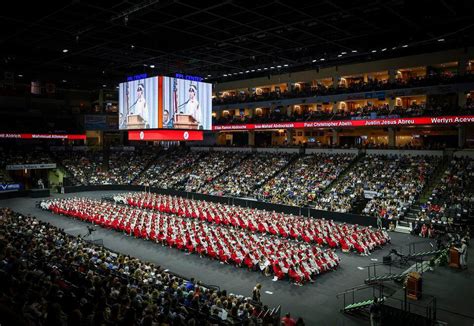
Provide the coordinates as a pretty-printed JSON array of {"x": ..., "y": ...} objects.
[{"x": 165, "y": 102}]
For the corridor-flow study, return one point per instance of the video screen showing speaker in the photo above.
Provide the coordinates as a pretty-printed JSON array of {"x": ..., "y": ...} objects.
[
  {"x": 187, "y": 104},
  {"x": 138, "y": 104},
  {"x": 165, "y": 103}
]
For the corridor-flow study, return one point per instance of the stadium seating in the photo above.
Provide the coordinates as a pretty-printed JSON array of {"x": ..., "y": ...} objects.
[
  {"x": 210, "y": 165},
  {"x": 320, "y": 90},
  {"x": 304, "y": 179},
  {"x": 52, "y": 278},
  {"x": 452, "y": 200},
  {"x": 245, "y": 179},
  {"x": 385, "y": 185},
  {"x": 94, "y": 168}
]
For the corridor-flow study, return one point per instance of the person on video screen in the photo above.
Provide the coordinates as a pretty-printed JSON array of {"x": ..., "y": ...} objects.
[
  {"x": 192, "y": 104},
  {"x": 167, "y": 121},
  {"x": 140, "y": 107}
]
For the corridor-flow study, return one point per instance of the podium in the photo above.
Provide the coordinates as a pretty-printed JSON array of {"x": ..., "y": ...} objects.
[
  {"x": 414, "y": 283},
  {"x": 454, "y": 258},
  {"x": 135, "y": 121},
  {"x": 185, "y": 121}
]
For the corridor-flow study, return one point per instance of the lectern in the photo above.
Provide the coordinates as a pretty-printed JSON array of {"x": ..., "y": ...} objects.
[
  {"x": 414, "y": 286},
  {"x": 185, "y": 121},
  {"x": 135, "y": 121},
  {"x": 454, "y": 258}
]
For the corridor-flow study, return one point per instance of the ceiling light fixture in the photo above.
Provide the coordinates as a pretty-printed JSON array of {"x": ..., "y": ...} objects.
[
  {"x": 152, "y": 66},
  {"x": 65, "y": 50}
]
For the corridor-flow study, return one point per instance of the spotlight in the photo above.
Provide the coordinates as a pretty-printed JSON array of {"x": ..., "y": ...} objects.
[{"x": 65, "y": 50}]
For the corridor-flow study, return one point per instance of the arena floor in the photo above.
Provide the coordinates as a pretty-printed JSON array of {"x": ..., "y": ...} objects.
[{"x": 316, "y": 303}]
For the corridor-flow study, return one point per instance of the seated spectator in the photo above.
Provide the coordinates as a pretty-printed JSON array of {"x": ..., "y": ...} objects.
[
  {"x": 58, "y": 279},
  {"x": 304, "y": 179},
  {"x": 245, "y": 179},
  {"x": 393, "y": 182}
]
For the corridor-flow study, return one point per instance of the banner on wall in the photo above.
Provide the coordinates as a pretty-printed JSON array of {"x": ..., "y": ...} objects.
[
  {"x": 443, "y": 120},
  {"x": 10, "y": 187},
  {"x": 31, "y": 166},
  {"x": 43, "y": 136}
]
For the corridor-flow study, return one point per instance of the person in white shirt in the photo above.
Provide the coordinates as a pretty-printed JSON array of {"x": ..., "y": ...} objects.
[
  {"x": 140, "y": 107},
  {"x": 192, "y": 104}
]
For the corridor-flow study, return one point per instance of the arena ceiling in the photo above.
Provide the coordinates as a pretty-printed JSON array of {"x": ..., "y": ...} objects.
[{"x": 109, "y": 40}]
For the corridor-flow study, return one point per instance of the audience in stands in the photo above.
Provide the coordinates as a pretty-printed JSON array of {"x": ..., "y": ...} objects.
[
  {"x": 365, "y": 112},
  {"x": 245, "y": 179},
  {"x": 304, "y": 179},
  {"x": 103, "y": 168},
  {"x": 51, "y": 278},
  {"x": 383, "y": 185},
  {"x": 24, "y": 156},
  {"x": 163, "y": 173},
  {"x": 210, "y": 165},
  {"x": 321, "y": 90},
  {"x": 452, "y": 200}
]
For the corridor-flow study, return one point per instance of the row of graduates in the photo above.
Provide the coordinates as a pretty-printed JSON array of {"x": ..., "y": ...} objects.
[
  {"x": 324, "y": 232},
  {"x": 284, "y": 258}
]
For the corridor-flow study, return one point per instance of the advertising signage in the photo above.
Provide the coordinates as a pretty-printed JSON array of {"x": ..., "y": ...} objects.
[{"x": 435, "y": 121}]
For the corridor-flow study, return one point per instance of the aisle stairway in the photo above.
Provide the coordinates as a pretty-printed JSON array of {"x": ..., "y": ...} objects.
[
  {"x": 291, "y": 161},
  {"x": 67, "y": 172},
  {"x": 415, "y": 208},
  {"x": 341, "y": 176},
  {"x": 146, "y": 167}
]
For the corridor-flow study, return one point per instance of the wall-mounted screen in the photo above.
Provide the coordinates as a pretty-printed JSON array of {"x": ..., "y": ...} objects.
[{"x": 165, "y": 102}]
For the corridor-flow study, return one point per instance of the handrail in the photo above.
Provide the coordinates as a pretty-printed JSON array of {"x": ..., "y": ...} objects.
[{"x": 357, "y": 288}]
